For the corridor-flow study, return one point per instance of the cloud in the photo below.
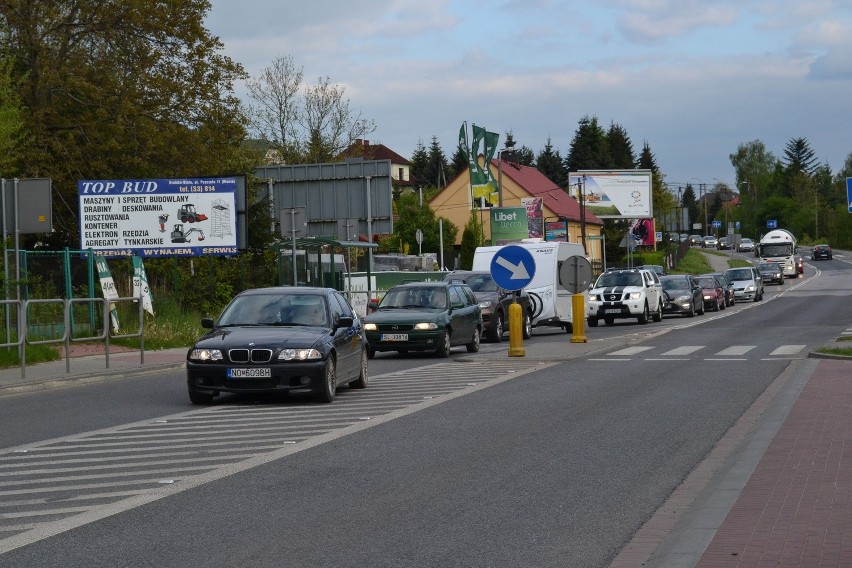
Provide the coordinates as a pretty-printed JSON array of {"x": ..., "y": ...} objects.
[{"x": 649, "y": 21}]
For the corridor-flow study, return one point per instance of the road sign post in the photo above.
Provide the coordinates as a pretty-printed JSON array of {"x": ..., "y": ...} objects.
[
  {"x": 513, "y": 268},
  {"x": 575, "y": 275}
]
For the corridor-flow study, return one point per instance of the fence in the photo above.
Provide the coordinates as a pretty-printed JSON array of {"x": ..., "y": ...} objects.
[{"x": 36, "y": 322}]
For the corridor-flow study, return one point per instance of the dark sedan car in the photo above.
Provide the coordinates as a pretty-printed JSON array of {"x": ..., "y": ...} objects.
[
  {"x": 494, "y": 303},
  {"x": 821, "y": 251},
  {"x": 288, "y": 339},
  {"x": 683, "y": 295},
  {"x": 712, "y": 292},
  {"x": 771, "y": 272},
  {"x": 425, "y": 316}
]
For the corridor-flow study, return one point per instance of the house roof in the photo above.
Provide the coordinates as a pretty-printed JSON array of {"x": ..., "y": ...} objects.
[
  {"x": 363, "y": 149},
  {"x": 539, "y": 185}
]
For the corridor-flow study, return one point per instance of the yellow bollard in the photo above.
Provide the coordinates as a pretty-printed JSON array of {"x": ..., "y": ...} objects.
[
  {"x": 516, "y": 331},
  {"x": 578, "y": 307}
]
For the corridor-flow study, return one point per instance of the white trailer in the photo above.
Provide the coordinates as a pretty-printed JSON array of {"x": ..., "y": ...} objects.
[{"x": 551, "y": 303}]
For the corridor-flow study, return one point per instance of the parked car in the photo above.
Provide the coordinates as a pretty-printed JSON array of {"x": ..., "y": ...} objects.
[
  {"x": 425, "y": 316},
  {"x": 709, "y": 241},
  {"x": 682, "y": 295},
  {"x": 659, "y": 269},
  {"x": 285, "y": 339},
  {"x": 712, "y": 292},
  {"x": 633, "y": 293},
  {"x": 695, "y": 239},
  {"x": 821, "y": 251},
  {"x": 730, "y": 298},
  {"x": 745, "y": 245},
  {"x": 747, "y": 282},
  {"x": 494, "y": 303},
  {"x": 771, "y": 272},
  {"x": 724, "y": 243}
]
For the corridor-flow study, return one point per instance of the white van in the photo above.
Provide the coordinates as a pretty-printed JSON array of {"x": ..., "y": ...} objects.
[{"x": 551, "y": 303}]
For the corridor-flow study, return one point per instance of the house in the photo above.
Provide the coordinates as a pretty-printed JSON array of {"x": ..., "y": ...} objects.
[
  {"x": 455, "y": 203},
  {"x": 400, "y": 167}
]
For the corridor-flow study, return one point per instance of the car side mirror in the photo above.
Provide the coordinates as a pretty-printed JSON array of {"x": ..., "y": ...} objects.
[
  {"x": 373, "y": 306},
  {"x": 345, "y": 321},
  {"x": 207, "y": 323}
]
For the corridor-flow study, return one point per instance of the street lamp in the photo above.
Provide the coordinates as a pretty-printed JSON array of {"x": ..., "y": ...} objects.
[{"x": 679, "y": 208}]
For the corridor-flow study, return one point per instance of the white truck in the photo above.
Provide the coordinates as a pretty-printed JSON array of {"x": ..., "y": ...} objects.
[
  {"x": 551, "y": 303},
  {"x": 779, "y": 245}
]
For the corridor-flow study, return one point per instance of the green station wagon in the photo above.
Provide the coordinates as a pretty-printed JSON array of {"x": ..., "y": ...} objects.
[{"x": 424, "y": 316}]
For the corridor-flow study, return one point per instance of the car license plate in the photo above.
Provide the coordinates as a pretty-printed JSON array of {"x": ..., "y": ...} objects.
[
  {"x": 394, "y": 337},
  {"x": 258, "y": 373},
  {"x": 612, "y": 311}
]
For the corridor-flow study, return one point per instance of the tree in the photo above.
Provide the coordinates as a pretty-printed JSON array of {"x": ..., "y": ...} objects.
[
  {"x": 409, "y": 216},
  {"x": 799, "y": 156},
  {"x": 129, "y": 89},
  {"x": 11, "y": 118},
  {"x": 437, "y": 165},
  {"x": 458, "y": 163},
  {"x": 663, "y": 200},
  {"x": 472, "y": 237},
  {"x": 754, "y": 167},
  {"x": 620, "y": 148},
  {"x": 589, "y": 149},
  {"x": 550, "y": 163},
  {"x": 420, "y": 164},
  {"x": 314, "y": 126}
]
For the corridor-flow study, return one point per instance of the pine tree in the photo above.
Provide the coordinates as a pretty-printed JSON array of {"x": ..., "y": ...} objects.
[
  {"x": 550, "y": 163},
  {"x": 799, "y": 156},
  {"x": 589, "y": 149},
  {"x": 438, "y": 165},
  {"x": 620, "y": 147},
  {"x": 472, "y": 237}
]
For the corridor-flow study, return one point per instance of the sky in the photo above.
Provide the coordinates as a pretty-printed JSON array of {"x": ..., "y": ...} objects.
[{"x": 694, "y": 79}]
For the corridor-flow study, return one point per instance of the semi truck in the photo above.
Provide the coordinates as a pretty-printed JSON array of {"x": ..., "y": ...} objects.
[{"x": 779, "y": 245}]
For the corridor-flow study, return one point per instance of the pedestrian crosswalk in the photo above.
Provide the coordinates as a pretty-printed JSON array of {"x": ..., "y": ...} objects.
[{"x": 686, "y": 352}]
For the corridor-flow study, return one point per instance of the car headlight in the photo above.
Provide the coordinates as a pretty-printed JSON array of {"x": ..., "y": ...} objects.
[
  {"x": 205, "y": 355},
  {"x": 750, "y": 288},
  {"x": 370, "y": 327},
  {"x": 634, "y": 295},
  {"x": 708, "y": 296},
  {"x": 680, "y": 299},
  {"x": 299, "y": 354},
  {"x": 484, "y": 304},
  {"x": 425, "y": 325},
  {"x": 593, "y": 297}
]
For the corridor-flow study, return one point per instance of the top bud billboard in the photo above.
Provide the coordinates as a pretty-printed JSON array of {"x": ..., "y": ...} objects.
[
  {"x": 159, "y": 217},
  {"x": 614, "y": 194}
]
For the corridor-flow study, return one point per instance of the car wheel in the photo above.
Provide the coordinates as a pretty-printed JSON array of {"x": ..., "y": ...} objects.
[
  {"x": 473, "y": 346},
  {"x": 645, "y": 314},
  {"x": 609, "y": 321},
  {"x": 527, "y": 329},
  {"x": 197, "y": 397},
  {"x": 495, "y": 334},
  {"x": 658, "y": 315},
  {"x": 691, "y": 312},
  {"x": 329, "y": 381},
  {"x": 363, "y": 375},
  {"x": 569, "y": 327},
  {"x": 370, "y": 352},
  {"x": 723, "y": 305},
  {"x": 444, "y": 349},
  {"x": 593, "y": 322}
]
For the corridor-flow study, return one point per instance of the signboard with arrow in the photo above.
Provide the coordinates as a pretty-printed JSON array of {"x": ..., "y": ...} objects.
[{"x": 512, "y": 268}]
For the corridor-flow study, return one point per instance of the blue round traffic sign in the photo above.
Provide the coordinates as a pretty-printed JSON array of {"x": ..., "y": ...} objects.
[{"x": 512, "y": 267}]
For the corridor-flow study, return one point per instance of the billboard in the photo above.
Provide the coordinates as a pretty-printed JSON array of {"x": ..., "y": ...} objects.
[
  {"x": 508, "y": 224},
  {"x": 159, "y": 217},
  {"x": 614, "y": 194},
  {"x": 535, "y": 216}
]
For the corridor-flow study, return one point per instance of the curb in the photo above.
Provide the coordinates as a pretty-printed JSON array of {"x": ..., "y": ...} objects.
[{"x": 39, "y": 385}]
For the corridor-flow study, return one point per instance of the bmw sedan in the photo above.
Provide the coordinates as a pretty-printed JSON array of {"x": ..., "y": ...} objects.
[
  {"x": 821, "y": 251},
  {"x": 279, "y": 340},
  {"x": 771, "y": 272}
]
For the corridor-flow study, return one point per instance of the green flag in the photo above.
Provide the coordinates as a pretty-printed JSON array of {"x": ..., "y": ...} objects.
[
  {"x": 465, "y": 151},
  {"x": 478, "y": 176}
]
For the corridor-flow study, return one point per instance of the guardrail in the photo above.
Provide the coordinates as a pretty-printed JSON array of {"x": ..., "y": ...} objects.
[{"x": 66, "y": 339}]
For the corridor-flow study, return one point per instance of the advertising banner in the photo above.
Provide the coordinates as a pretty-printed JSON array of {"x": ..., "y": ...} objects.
[
  {"x": 535, "y": 216},
  {"x": 108, "y": 288},
  {"x": 644, "y": 232},
  {"x": 159, "y": 217},
  {"x": 140, "y": 285},
  {"x": 614, "y": 194},
  {"x": 556, "y": 231},
  {"x": 508, "y": 225}
]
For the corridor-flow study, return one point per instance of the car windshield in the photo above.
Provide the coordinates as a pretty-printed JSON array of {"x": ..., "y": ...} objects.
[
  {"x": 675, "y": 284},
  {"x": 610, "y": 279},
  {"x": 429, "y": 297},
  {"x": 743, "y": 274},
  {"x": 481, "y": 283},
  {"x": 276, "y": 309},
  {"x": 767, "y": 267},
  {"x": 708, "y": 283}
]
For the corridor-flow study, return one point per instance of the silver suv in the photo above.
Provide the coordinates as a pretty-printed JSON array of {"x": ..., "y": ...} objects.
[{"x": 632, "y": 293}]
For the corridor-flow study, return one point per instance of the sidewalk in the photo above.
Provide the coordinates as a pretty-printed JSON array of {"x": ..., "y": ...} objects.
[{"x": 88, "y": 369}]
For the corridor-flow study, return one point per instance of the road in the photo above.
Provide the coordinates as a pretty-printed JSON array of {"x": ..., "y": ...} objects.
[{"x": 473, "y": 461}]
